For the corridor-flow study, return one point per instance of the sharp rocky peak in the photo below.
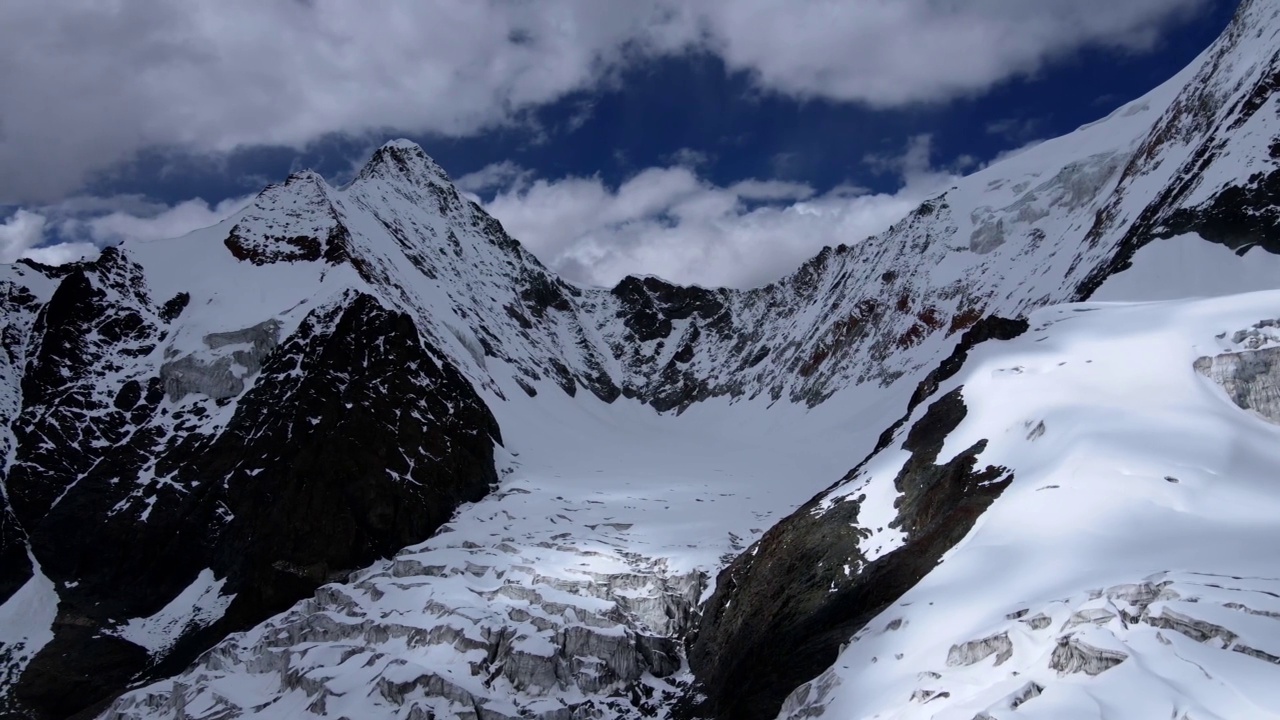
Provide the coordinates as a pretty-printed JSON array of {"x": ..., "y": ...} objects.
[
  {"x": 401, "y": 189},
  {"x": 402, "y": 161}
]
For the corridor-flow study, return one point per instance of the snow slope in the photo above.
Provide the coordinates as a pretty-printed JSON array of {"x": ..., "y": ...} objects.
[
  {"x": 26, "y": 621},
  {"x": 1127, "y": 570},
  {"x": 1187, "y": 266}
]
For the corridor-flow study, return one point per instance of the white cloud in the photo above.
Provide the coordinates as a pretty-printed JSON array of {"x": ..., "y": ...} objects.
[
  {"x": 672, "y": 223},
  {"x": 100, "y": 81},
  {"x": 80, "y": 226},
  {"x": 688, "y": 157},
  {"x": 771, "y": 190},
  {"x": 23, "y": 232},
  {"x": 504, "y": 174},
  {"x": 894, "y": 52},
  {"x": 63, "y": 253},
  {"x": 170, "y": 222},
  {"x": 914, "y": 160}
]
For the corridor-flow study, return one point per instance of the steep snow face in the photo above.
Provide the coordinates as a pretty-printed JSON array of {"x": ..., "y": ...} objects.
[
  {"x": 1187, "y": 266},
  {"x": 1003, "y": 241},
  {"x": 1124, "y": 572},
  {"x": 1209, "y": 165},
  {"x": 26, "y": 624},
  {"x": 1049, "y": 225}
]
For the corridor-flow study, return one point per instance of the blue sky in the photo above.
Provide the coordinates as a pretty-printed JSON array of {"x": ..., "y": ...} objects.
[{"x": 598, "y": 145}]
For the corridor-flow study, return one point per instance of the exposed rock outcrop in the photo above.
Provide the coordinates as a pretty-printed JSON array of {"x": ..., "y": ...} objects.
[
  {"x": 369, "y": 438},
  {"x": 782, "y": 610}
]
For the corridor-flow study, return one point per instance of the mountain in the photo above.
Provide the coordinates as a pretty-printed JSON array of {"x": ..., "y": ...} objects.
[{"x": 354, "y": 452}]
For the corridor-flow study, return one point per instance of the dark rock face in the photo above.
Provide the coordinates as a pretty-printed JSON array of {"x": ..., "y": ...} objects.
[
  {"x": 95, "y": 322},
  {"x": 782, "y": 610},
  {"x": 356, "y": 439},
  {"x": 19, "y": 308},
  {"x": 15, "y": 565},
  {"x": 77, "y": 668},
  {"x": 318, "y": 232},
  {"x": 371, "y": 449},
  {"x": 652, "y": 304},
  {"x": 1240, "y": 217},
  {"x": 273, "y": 248},
  {"x": 992, "y": 327},
  {"x": 649, "y": 308}
]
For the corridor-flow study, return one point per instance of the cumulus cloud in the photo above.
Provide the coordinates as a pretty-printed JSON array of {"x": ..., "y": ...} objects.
[
  {"x": 22, "y": 231},
  {"x": 670, "y": 222},
  {"x": 22, "y": 235},
  {"x": 100, "y": 81},
  {"x": 170, "y": 222},
  {"x": 79, "y": 227},
  {"x": 496, "y": 175},
  {"x": 63, "y": 253},
  {"x": 771, "y": 190},
  {"x": 892, "y": 52}
]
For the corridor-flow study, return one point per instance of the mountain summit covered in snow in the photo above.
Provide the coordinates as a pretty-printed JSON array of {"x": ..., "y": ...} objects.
[{"x": 355, "y": 453}]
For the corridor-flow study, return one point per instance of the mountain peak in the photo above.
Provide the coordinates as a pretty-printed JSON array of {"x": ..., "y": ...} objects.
[
  {"x": 402, "y": 144},
  {"x": 403, "y": 159}
]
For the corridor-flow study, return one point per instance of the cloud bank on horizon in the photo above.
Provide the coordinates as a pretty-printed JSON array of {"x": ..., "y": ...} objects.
[
  {"x": 672, "y": 223},
  {"x": 90, "y": 85}
]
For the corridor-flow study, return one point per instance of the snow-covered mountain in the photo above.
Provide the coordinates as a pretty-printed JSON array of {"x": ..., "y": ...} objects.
[
  {"x": 1125, "y": 568},
  {"x": 354, "y": 452}
]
